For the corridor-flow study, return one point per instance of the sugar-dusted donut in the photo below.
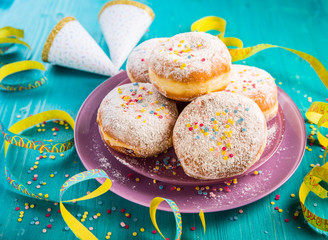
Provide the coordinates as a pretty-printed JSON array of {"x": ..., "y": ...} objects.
[
  {"x": 137, "y": 63},
  {"x": 137, "y": 120},
  {"x": 256, "y": 84},
  {"x": 219, "y": 135},
  {"x": 189, "y": 65}
]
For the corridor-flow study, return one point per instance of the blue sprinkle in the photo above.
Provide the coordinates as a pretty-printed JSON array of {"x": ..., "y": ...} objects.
[
  {"x": 90, "y": 218},
  {"x": 139, "y": 101},
  {"x": 266, "y": 232},
  {"x": 151, "y": 112},
  {"x": 178, "y": 164},
  {"x": 200, "y": 192},
  {"x": 135, "y": 84},
  {"x": 226, "y": 110},
  {"x": 41, "y": 182},
  {"x": 230, "y": 218},
  {"x": 157, "y": 162},
  {"x": 239, "y": 104},
  {"x": 66, "y": 228},
  {"x": 51, "y": 220},
  {"x": 135, "y": 219},
  {"x": 29, "y": 171},
  {"x": 100, "y": 202},
  {"x": 322, "y": 150},
  {"x": 212, "y": 119},
  {"x": 260, "y": 172},
  {"x": 235, "y": 218},
  {"x": 79, "y": 215},
  {"x": 163, "y": 105},
  {"x": 113, "y": 208},
  {"x": 315, "y": 204},
  {"x": 131, "y": 90},
  {"x": 55, "y": 172},
  {"x": 32, "y": 222},
  {"x": 160, "y": 187},
  {"x": 189, "y": 56},
  {"x": 246, "y": 109},
  {"x": 144, "y": 105},
  {"x": 235, "y": 111},
  {"x": 36, "y": 219},
  {"x": 205, "y": 193},
  {"x": 244, "y": 129},
  {"x": 213, "y": 138}
]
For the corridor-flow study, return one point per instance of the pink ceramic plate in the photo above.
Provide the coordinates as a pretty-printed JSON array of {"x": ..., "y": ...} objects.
[{"x": 282, "y": 164}]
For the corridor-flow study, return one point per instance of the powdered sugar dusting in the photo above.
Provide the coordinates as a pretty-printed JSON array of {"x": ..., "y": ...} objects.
[
  {"x": 137, "y": 63},
  {"x": 219, "y": 135},
  {"x": 254, "y": 83},
  {"x": 188, "y": 53},
  {"x": 137, "y": 115}
]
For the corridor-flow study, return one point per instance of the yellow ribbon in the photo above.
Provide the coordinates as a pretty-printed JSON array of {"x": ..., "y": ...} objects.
[
  {"x": 177, "y": 215},
  {"x": 219, "y": 24},
  {"x": 76, "y": 226},
  {"x": 318, "y": 114},
  {"x": 11, "y": 32},
  {"x": 21, "y": 66}
]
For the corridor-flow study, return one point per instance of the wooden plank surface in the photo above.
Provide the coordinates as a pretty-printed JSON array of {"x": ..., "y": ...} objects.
[{"x": 300, "y": 25}]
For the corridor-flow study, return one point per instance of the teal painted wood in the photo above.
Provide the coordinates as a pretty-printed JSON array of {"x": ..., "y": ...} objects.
[{"x": 296, "y": 24}]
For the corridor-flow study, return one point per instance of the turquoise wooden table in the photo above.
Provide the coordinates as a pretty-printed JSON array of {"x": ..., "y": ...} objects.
[{"x": 299, "y": 25}]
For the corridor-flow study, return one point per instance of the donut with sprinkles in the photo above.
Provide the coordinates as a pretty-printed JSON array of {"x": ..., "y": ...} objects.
[
  {"x": 219, "y": 135},
  {"x": 137, "y": 120},
  {"x": 189, "y": 65},
  {"x": 256, "y": 84},
  {"x": 137, "y": 63}
]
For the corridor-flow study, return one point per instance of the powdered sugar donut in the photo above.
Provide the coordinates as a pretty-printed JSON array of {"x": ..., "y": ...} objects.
[
  {"x": 137, "y": 120},
  {"x": 137, "y": 63},
  {"x": 189, "y": 65},
  {"x": 256, "y": 84},
  {"x": 219, "y": 135}
]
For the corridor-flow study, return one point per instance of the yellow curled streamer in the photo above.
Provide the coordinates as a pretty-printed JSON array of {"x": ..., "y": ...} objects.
[
  {"x": 21, "y": 66},
  {"x": 11, "y": 32},
  {"x": 219, "y": 24},
  {"x": 12, "y": 136},
  {"x": 318, "y": 114},
  {"x": 77, "y": 227},
  {"x": 177, "y": 215},
  {"x": 15, "y": 41}
]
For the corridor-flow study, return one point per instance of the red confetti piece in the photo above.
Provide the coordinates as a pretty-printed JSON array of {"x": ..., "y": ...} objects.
[
  {"x": 130, "y": 175},
  {"x": 122, "y": 210},
  {"x": 277, "y": 197},
  {"x": 154, "y": 232},
  {"x": 286, "y": 220},
  {"x": 276, "y": 208},
  {"x": 48, "y": 215},
  {"x": 126, "y": 226},
  {"x": 192, "y": 228},
  {"x": 203, "y": 59},
  {"x": 17, "y": 208},
  {"x": 109, "y": 211},
  {"x": 49, "y": 226}
]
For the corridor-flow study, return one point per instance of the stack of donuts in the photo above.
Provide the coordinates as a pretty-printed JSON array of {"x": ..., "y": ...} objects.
[{"x": 222, "y": 131}]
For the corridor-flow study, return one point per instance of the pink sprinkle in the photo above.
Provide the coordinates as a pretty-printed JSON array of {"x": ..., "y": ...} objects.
[
  {"x": 142, "y": 60},
  {"x": 286, "y": 220},
  {"x": 154, "y": 232},
  {"x": 192, "y": 228},
  {"x": 227, "y": 189},
  {"x": 160, "y": 116},
  {"x": 203, "y": 59},
  {"x": 276, "y": 208},
  {"x": 277, "y": 197},
  {"x": 90, "y": 228},
  {"x": 170, "y": 49},
  {"x": 240, "y": 211}
]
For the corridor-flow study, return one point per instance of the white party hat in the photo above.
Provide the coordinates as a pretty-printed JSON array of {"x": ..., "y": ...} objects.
[
  {"x": 70, "y": 45},
  {"x": 123, "y": 23}
]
